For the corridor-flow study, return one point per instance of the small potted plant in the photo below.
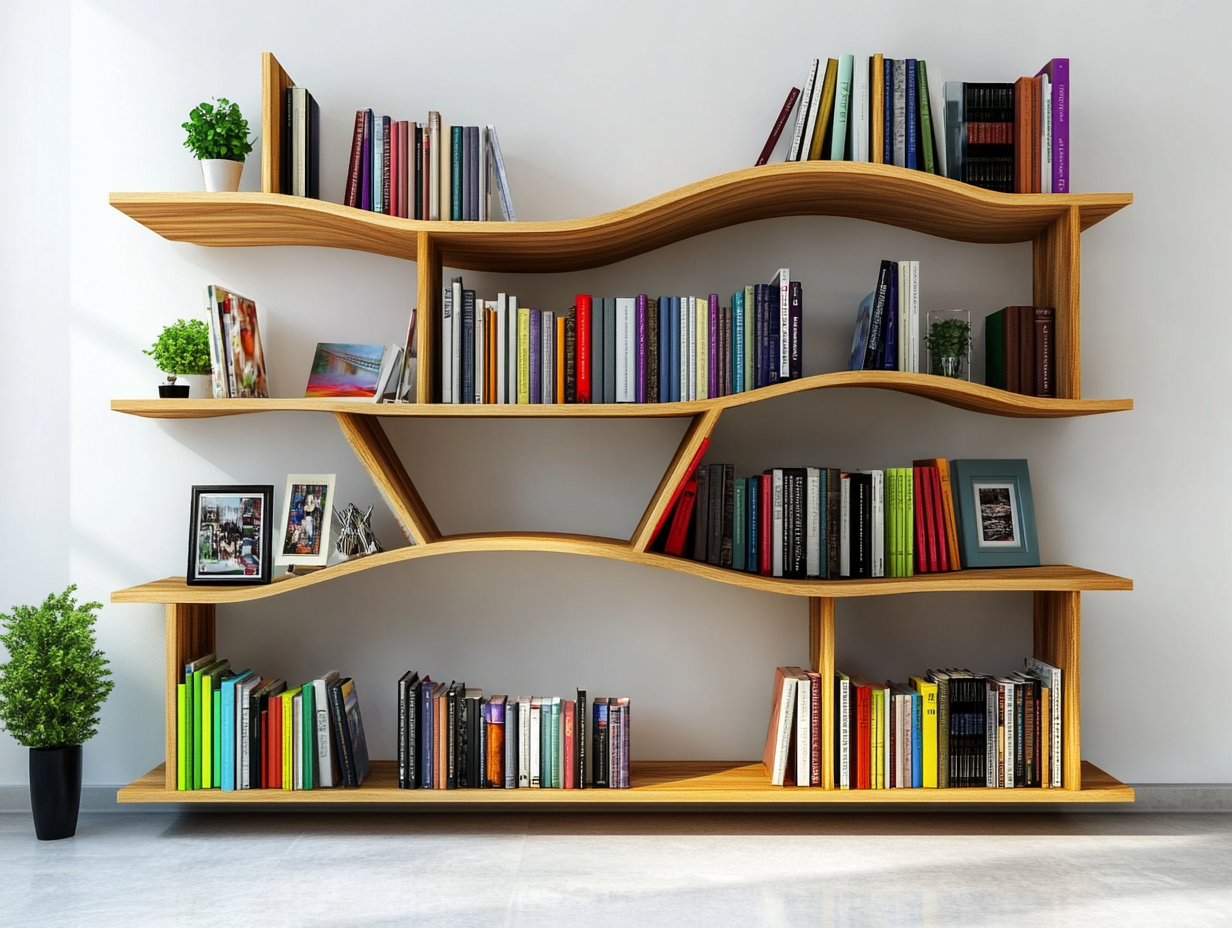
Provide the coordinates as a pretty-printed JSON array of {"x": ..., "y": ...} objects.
[
  {"x": 218, "y": 136},
  {"x": 949, "y": 343},
  {"x": 51, "y": 690},
  {"x": 182, "y": 349}
]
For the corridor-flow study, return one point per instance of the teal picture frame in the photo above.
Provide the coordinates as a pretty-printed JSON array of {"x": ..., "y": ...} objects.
[{"x": 996, "y": 513}]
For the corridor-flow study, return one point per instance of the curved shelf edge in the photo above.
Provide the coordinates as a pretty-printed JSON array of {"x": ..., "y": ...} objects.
[
  {"x": 960, "y": 394},
  {"x": 879, "y": 193},
  {"x": 1055, "y": 577}
]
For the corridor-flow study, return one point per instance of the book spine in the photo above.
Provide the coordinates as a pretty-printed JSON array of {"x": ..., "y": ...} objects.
[
  {"x": 456, "y": 170},
  {"x": 712, "y": 346},
  {"x": 386, "y": 133},
  {"x": 765, "y": 528},
  {"x": 468, "y": 347},
  {"x": 602, "y": 746},
  {"x": 778, "y": 525},
  {"x": 806, "y": 99},
  {"x": 913, "y": 115},
  {"x": 899, "y": 112},
  {"x": 610, "y": 350},
  {"x": 654, "y": 352},
  {"x": 779, "y": 123},
  {"x": 1058, "y": 72},
  {"x": 1045, "y": 351},
  {"x": 640, "y": 349},
  {"x": 535, "y": 373},
  {"x": 795, "y": 353},
  {"x": 585, "y": 338},
  {"x": 842, "y": 108}
]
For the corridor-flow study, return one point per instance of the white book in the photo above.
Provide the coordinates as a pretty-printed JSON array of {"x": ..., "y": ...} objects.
[
  {"x": 299, "y": 142},
  {"x": 502, "y": 348},
  {"x": 626, "y": 334},
  {"x": 878, "y": 522},
  {"x": 1006, "y": 735},
  {"x": 535, "y": 706},
  {"x": 523, "y": 742},
  {"x": 844, "y": 541},
  {"x": 844, "y": 731},
  {"x": 857, "y": 121},
  {"x": 702, "y": 327},
  {"x": 904, "y": 313},
  {"x": 682, "y": 311},
  {"x": 1045, "y": 134},
  {"x": 804, "y": 729},
  {"x": 776, "y": 522},
  {"x": 447, "y": 311},
  {"x": 391, "y": 364},
  {"x": 433, "y": 206},
  {"x": 899, "y": 123},
  {"x": 783, "y": 732},
  {"x": 243, "y": 739},
  {"x": 913, "y": 315},
  {"x": 992, "y": 710},
  {"x": 810, "y": 127},
  {"x": 1051, "y": 676},
  {"x": 457, "y": 339},
  {"x": 887, "y": 721},
  {"x": 802, "y": 115},
  {"x": 547, "y": 356},
  {"x": 692, "y": 355},
  {"x": 502, "y": 179},
  {"x": 512, "y": 741},
  {"x": 511, "y": 350},
  {"x": 378, "y": 161},
  {"x": 481, "y": 350},
  {"x": 297, "y": 741},
  {"x": 782, "y": 280},
  {"x": 813, "y": 506},
  {"x": 325, "y": 744}
]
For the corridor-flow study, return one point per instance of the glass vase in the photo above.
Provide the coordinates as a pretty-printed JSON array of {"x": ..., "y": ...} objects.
[{"x": 949, "y": 343}]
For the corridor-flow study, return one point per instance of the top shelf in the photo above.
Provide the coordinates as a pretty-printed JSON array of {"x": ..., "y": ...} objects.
[{"x": 875, "y": 192}]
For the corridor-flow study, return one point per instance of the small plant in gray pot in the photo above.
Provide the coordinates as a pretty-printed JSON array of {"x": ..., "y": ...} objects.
[
  {"x": 181, "y": 350},
  {"x": 51, "y": 690},
  {"x": 218, "y": 136}
]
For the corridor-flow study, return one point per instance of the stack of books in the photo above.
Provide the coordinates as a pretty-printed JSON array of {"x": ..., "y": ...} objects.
[
  {"x": 301, "y": 145},
  {"x": 426, "y": 170},
  {"x": 450, "y": 736},
  {"x": 239, "y": 730},
  {"x": 237, "y": 363},
  {"x": 815, "y": 523},
  {"x": 636, "y": 349},
  {"x": 887, "y": 335},
  {"x": 1020, "y": 350}
]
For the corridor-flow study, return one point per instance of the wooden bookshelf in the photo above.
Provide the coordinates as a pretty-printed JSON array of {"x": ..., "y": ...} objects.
[{"x": 892, "y": 196}]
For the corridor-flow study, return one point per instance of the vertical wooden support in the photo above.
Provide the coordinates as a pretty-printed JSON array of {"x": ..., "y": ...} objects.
[
  {"x": 1057, "y": 272},
  {"x": 821, "y": 658},
  {"x": 695, "y": 435},
  {"x": 274, "y": 86},
  {"x": 190, "y": 635},
  {"x": 370, "y": 444},
  {"x": 427, "y": 319},
  {"x": 1058, "y": 640}
]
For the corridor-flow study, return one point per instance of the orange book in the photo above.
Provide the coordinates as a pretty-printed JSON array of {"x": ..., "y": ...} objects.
[
  {"x": 876, "y": 87},
  {"x": 489, "y": 342},
  {"x": 947, "y": 508},
  {"x": 560, "y": 359}
]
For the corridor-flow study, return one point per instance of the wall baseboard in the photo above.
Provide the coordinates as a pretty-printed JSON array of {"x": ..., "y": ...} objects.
[{"x": 1151, "y": 798}]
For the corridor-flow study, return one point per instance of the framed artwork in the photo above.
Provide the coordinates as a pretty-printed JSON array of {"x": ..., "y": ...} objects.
[
  {"x": 996, "y": 513},
  {"x": 304, "y": 529},
  {"x": 229, "y": 529}
]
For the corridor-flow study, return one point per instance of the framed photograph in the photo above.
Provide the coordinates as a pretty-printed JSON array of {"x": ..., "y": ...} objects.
[
  {"x": 304, "y": 529},
  {"x": 229, "y": 531},
  {"x": 996, "y": 514}
]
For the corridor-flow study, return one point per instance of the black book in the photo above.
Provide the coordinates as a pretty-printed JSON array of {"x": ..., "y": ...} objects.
[
  {"x": 653, "y": 338},
  {"x": 579, "y": 769},
  {"x": 473, "y": 748},
  {"x": 714, "y": 517},
  {"x": 571, "y": 355},
  {"x": 468, "y": 346},
  {"x": 469, "y": 200},
  {"x": 796, "y": 352},
  {"x": 288, "y": 140},
  {"x": 876, "y": 328},
  {"x": 795, "y": 548},
  {"x": 598, "y": 351},
  {"x": 471, "y": 140},
  {"x": 313, "y": 165},
  {"x": 342, "y": 733},
  {"x": 452, "y": 713},
  {"x": 729, "y": 515},
  {"x": 833, "y": 514},
  {"x": 609, "y": 349},
  {"x": 860, "y": 539},
  {"x": 406, "y": 730},
  {"x": 701, "y": 515},
  {"x": 415, "y": 173},
  {"x": 602, "y": 745}
]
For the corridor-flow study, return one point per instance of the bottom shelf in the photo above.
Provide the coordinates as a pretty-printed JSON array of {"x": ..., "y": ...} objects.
[{"x": 656, "y": 782}]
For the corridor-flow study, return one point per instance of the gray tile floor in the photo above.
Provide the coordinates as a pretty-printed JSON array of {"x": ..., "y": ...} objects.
[{"x": 590, "y": 871}]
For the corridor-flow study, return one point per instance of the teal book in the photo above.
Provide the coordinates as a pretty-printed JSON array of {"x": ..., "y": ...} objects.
[
  {"x": 994, "y": 350},
  {"x": 740, "y": 523},
  {"x": 455, "y": 173},
  {"x": 545, "y": 742},
  {"x": 227, "y": 779},
  {"x": 557, "y": 759},
  {"x": 842, "y": 107},
  {"x": 309, "y": 739},
  {"x": 737, "y": 343}
]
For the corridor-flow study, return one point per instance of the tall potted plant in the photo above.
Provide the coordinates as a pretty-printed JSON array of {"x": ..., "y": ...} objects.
[
  {"x": 51, "y": 690},
  {"x": 181, "y": 350},
  {"x": 218, "y": 136}
]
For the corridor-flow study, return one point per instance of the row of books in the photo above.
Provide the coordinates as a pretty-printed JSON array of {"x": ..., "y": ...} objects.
[
  {"x": 620, "y": 349},
  {"x": 816, "y": 523},
  {"x": 1011, "y": 137},
  {"x": 945, "y": 729},
  {"x": 452, "y": 737},
  {"x": 239, "y": 730},
  {"x": 300, "y": 144},
  {"x": 887, "y": 335},
  {"x": 432, "y": 170},
  {"x": 237, "y": 363},
  {"x": 1020, "y": 352}
]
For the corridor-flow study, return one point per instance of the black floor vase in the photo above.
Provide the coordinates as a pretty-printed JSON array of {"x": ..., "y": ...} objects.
[{"x": 55, "y": 791}]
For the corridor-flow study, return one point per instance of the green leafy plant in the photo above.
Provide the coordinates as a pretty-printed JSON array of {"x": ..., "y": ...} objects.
[
  {"x": 56, "y": 679},
  {"x": 217, "y": 131},
  {"x": 183, "y": 348},
  {"x": 949, "y": 338}
]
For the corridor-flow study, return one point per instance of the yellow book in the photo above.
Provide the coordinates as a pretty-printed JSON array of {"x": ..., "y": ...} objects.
[
  {"x": 824, "y": 108},
  {"x": 523, "y": 354},
  {"x": 877, "y": 741},
  {"x": 928, "y": 729},
  {"x": 560, "y": 359},
  {"x": 206, "y": 730},
  {"x": 703, "y": 346},
  {"x": 877, "y": 111},
  {"x": 181, "y": 733},
  {"x": 288, "y": 738},
  {"x": 1045, "y": 739}
]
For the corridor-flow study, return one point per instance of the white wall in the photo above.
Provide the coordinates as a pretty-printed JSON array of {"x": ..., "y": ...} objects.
[{"x": 599, "y": 106}]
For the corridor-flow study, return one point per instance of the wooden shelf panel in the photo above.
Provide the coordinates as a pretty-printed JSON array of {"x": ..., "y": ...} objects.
[
  {"x": 655, "y": 782},
  {"x": 974, "y": 397},
  {"x": 1056, "y": 577},
  {"x": 876, "y": 192}
]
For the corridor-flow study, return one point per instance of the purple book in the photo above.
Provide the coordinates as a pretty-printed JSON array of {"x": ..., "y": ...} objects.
[
  {"x": 536, "y": 362},
  {"x": 1058, "y": 77},
  {"x": 712, "y": 346},
  {"x": 639, "y": 389},
  {"x": 365, "y": 163}
]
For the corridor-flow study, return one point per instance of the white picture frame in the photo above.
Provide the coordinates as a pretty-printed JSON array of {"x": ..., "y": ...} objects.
[{"x": 306, "y": 521}]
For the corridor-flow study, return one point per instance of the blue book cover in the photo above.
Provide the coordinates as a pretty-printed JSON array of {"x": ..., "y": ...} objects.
[
  {"x": 762, "y": 337},
  {"x": 673, "y": 373},
  {"x": 771, "y": 310},
  {"x": 536, "y": 363},
  {"x": 859, "y": 341},
  {"x": 737, "y": 304},
  {"x": 468, "y": 346},
  {"x": 913, "y": 117},
  {"x": 889, "y": 357},
  {"x": 888, "y": 107},
  {"x": 428, "y": 735},
  {"x": 665, "y": 358},
  {"x": 228, "y": 728},
  {"x": 740, "y": 523},
  {"x": 917, "y": 742},
  {"x": 754, "y": 495}
]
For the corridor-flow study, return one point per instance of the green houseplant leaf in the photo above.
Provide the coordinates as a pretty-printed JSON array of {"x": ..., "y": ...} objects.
[
  {"x": 217, "y": 131},
  {"x": 183, "y": 348},
  {"x": 56, "y": 679}
]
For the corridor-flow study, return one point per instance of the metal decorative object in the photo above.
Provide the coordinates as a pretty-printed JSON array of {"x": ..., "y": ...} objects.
[{"x": 355, "y": 539}]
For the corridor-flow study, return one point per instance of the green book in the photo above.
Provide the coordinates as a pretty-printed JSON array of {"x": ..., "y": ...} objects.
[
  {"x": 842, "y": 106},
  {"x": 557, "y": 758},
  {"x": 211, "y": 676},
  {"x": 908, "y": 522},
  {"x": 193, "y": 709},
  {"x": 455, "y": 173},
  {"x": 180, "y": 735},
  {"x": 740, "y": 523},
  {"x": 926, "y": 119},
  {"x": 308, "y": 700},
  {"x": 216, "y": 735},
  {"x": 994, "y": 350},
  {"x": 750, "y": 340}
]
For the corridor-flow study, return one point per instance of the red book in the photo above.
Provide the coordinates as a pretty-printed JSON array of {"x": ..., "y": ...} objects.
[
  {"x": 773, "y": 139},
  {"x": 353, "y": 172},
  {"x": 923, "y": 488},
  {"x": 921, "y": 524},
  {"x": 765, "y": 543},
  {"x": 940, "y": 541},
  {"x": 697, "y": 459},
  {"x": 680, "y": 524},
  {"x": 861, "y": 740},
  {"x": 275, "y": 711},
  {"x": 570, "y": 717},
  {"x": 582, "y": 348},
  {"x": 395, "y": 155}
]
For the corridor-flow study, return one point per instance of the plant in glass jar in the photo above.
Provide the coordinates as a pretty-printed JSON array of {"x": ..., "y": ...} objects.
[{"x": 949, "y": 344}]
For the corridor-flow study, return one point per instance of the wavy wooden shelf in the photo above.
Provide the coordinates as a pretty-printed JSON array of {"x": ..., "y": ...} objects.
[
  {"x": 654, "y": 783},
  {"x": 958, "y": 393},
  {"x": 876, "y": 192},
  {"x": 1057, "y": 577}
]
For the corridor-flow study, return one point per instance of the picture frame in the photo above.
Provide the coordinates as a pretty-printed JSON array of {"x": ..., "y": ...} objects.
[
  {"x": 996, "y": 513},
  {"x": 229, "y": 535},
  {"x": 304, "y": 529}
]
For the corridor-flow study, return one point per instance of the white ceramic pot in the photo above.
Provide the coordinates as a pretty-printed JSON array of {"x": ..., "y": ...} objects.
[
  {"x": 200, "y": 386},
  {"x": 221, "y": 175}
]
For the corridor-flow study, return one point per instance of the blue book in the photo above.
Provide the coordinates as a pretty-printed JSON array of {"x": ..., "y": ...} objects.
[
  {"x": 673, "y": 373},
  {"x": 536, "y": 363},
  {"x": 917, "y": 739},
  {"x": 859, "y": 341},
  {"x": 427, "y": 755},
  {"x": 754, "y": 494},
  {"x": 891, "y": 308},
  {"x": 913, "y": 117},
  {"x": 889, "y": 361},
  {"x": 888, "y": 107},
  {"x": 468, "y": 346},
  {"x": 737, "y": 304},
  {"x": 227, "y": 734},
  {"x": 740, "y": 523}
]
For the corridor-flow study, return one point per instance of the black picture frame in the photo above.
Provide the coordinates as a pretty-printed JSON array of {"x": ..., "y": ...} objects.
[
  {"x": 230, "y": 535},
  {"x": 996, "y": 528}
]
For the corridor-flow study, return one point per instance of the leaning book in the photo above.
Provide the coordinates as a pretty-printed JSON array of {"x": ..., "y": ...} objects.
[{"x": 237, "y": 362}]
